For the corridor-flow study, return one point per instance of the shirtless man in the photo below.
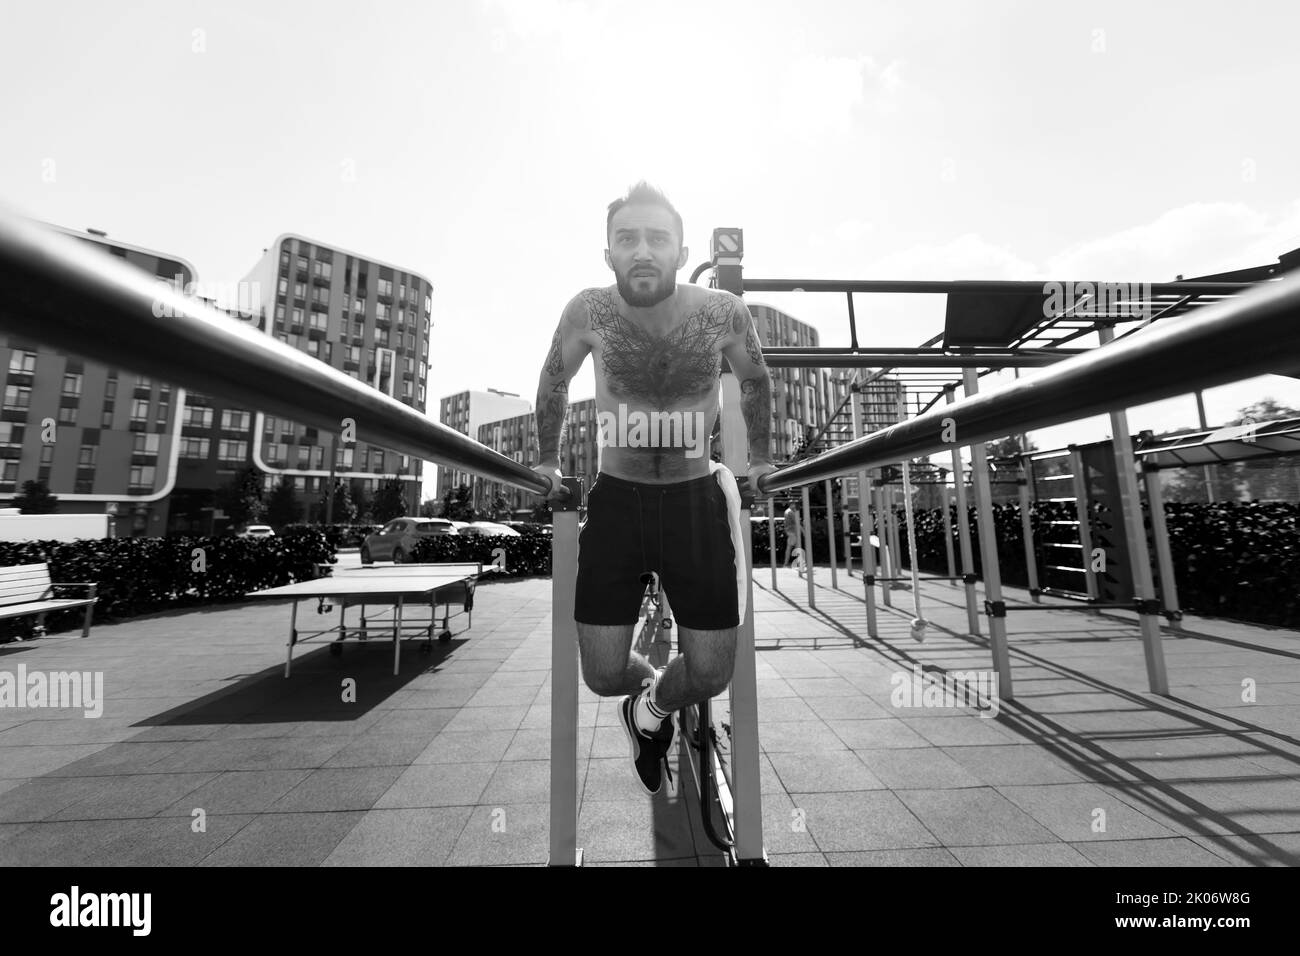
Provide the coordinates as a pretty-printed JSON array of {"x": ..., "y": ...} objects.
[{"x": 655, "y": 505}]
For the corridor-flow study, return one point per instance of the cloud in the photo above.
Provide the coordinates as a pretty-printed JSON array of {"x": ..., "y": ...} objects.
[
  {"x": 1197, "y": 239},
  {"x": 967, "y": 257},
  {"x": 821, "y": 94}
]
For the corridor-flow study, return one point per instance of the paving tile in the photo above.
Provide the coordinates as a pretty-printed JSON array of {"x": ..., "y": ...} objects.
[
  {"x": 975, "y": 816},
  {"x": 412, "y": 721},
  {"x": 876, "y": 734},
  {"x": 785, "y": 709},
  {"x": 969, "y": 730},
  {"x": 256, "y": 754},
  {"x": 438, "y": 785},
  {"x": 478, "y": 746},
  {"x": 33, "y": 760},
  {"x": 797, "y": 859},
  {"x": 1022, "y": 854},
  {"x": 1012, "y": 764},
  {"x": 488, "y": 718},
  {"x": 237, "y": 792},
  {"x": 809, "y": 687},
  {"x": 414, "y": 837},
  {"x": 169, "y": 841},
  {"x": 338, "y": 788},
  {"x": 860, "y": 707},
  {"x": 823, "y": 772},
  {"x": 869, "y": 820},
  {"x": 518, "y": 782},
  {"x": 507, "y": 835},
  {"x": 69, "y": 844},
  {"x": 132, "y": 796},
  {"x": 642, "y": 829},
  {"x": 1069, "y": 811},
  {"x": 917, "y": 768},
  {"x": 1272, "y": 849},
  {"x": 798, "y": 736},
  {"x": 1176, "y": 851},
  {"x": 381, "y": 750},
  {"x": 285, "y": 839},
  {"x": 925, "y": 857}
]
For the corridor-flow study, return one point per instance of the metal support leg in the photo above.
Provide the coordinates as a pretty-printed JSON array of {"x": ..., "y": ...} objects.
[
  {"x": 946, "y": 495},
  {"x": 886, "y": 552},
  {"x": 989, "y": 554},
  {"x": 830, "y": 533},
  {"x": 1084, "y": 511},
  {"x": 807, "y": 547},
  {"x": 771, "y": 538},
  {"x": 963, "y": 533},
  {"x": 1027, "y": 534},
  {"x": 564, "y": 681},
  {"x": 1164, "y": 557},
  {"x": 293, "y": 636}
]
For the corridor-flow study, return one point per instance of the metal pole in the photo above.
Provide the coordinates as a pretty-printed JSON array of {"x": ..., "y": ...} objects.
[
  {"x": 1027, "y": 533},
  {"x": 746, "y": 785},
  {"x": 771, "y": 537},
  {"x": 830, "y": 533},
  {"x": 1209, "y": 470},
  {"x": 564, "y": 681},
  {"x": 1144, "y": 589},
  {"x": 989, "y": 554},
  {"x": 963, "y": 533},
  {"x": 865, "y": 523},
  {"x": 845, "y": 523},
  {"x": 1164, "y": 556},
  {"x": 946, "y": 507},
  {"x": 807, "y": 546},
  {"x": 886, "y": 548}
]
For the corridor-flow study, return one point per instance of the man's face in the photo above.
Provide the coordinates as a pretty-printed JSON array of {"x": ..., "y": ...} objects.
[{"x": 645, "y": 254}]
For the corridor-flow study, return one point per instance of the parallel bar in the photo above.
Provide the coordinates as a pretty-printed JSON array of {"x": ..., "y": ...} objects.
[
  {"x": 977, "y": 286},
  {"x": 806, "y": 358},
  {"x": 62, "y": 293},
  {"x": 1220, "y": 343},
  {"x": 564, "y": 692}
]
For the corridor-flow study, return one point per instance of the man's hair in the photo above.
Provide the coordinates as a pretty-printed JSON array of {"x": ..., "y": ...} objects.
[{"x": 645, "y": 194}]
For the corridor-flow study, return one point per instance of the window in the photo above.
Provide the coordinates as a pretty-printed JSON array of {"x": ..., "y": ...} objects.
[
  {"x": 382, "y": 312},
  {"x": 195, "y": 447},
  {"x": 233, "y": 420},
  {"x": 9, "y": 471},
  {"x": 302, "y": 263},
  {"x": 329, "y": 352},
  {"x": 106, "y": 420},
  {"x": 11, "y": 434},
  {"x": 142, "y": 382},
  {"x": 277, "y": 454},
  {"x": 354, "y": 353},
  {"x": 47, "y": 454},
  {"x": 67, "y": 414},
  {"x": 18, "y": 396},
  {"x": 72, "y": 385},
  {"x": 110, "y": 389},
  {"x": 22, "y": 362},
  {"x": 232, "y": 451},
  {"x": 319, "y": 320},
  {"x": 345, "y": 459},
  {"x": 313, "y": 348},
  {"x": 320, "y": 296},
  {"x": 199, "y": 416},
  {"x": 300, "y": 290},
  {"x": 140, "y": 409},
  {"x": 163, "y": 409},
  {"x": 297, "y": 318},
  {"x": 283, "y": 287},
  {"x": 323, "y": 269},
  {"x": 304, "y": 456},
  {"x": 358, "y": 330},
  {"x": 381, "y": 336},
  {"x": 142, "y": 477},
  {"x": 143, "y": 444},
  {"x": 385, "y": 287},
  {"x": 87, "y": 455}
]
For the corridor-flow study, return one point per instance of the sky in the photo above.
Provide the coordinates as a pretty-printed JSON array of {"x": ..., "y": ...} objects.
[{"x": 479, "y": 143}]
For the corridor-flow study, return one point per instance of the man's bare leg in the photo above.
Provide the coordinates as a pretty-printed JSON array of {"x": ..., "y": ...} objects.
[
  {"x": 609, "y": 665},
  {"x": 701, "y": 671}
]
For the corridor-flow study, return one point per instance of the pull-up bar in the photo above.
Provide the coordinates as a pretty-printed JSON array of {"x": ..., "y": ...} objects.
[{"x": 1224, "y": 342}]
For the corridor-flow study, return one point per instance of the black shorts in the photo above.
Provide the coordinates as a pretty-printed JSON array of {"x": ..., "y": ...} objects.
[{"x": 680, "y": 530}]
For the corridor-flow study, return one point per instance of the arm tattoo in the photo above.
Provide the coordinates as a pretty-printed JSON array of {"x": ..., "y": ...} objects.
[
  {"x": 756, "y": 407},
  {"x": 753, "y": 347},
  {"x": 555, "y": 360},
  {"x": 552, "y": 408}
]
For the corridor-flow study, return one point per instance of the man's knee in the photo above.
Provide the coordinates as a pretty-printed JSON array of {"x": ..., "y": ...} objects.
[
  {"x": 601, "y": 682},
  {"x": 710, "y": 677}
]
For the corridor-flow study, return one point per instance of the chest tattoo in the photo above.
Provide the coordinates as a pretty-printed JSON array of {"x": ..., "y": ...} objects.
[{"x": 660, "y": 369}]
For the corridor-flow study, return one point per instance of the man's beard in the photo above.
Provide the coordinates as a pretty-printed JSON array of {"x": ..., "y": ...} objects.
[{"x": 644, "y": 300}]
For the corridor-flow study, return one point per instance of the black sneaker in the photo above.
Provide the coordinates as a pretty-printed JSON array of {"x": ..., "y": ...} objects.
[{"x": 649, "y": 751}]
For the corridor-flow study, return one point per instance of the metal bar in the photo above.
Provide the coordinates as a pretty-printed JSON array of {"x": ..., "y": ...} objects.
[
  {"x": 1144, "y": 588},
  {"x": 746, "y": 787},
  {"x": 975, "y": 286},
  {"x": 1083, "y": 509},
  {"x": 564, "y": 691},
  {"x": 853, "y": 321},
  {"x": 771, "y": 537},
  {"x": 1164, "y": 557},
  {"x": 804, "y": 358},
  {"x": 62, "y": 293},
  {"x": 979, "y": 466},
  {"x": 807, "y": 547},
  {"x": 830, "y": 532},
  {"x": 1027, "y": 535},
  {"x": 947, "y": 532},
  {"x": 963, "y": 534},
  {"x": 1219, "y": 344}
]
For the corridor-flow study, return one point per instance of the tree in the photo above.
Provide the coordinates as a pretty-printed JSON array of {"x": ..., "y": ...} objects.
[
  {"x": 542, "y": 512},
  {"x": 241, "y": 497},
  {"x": 1264, "y": 479},
  {"x": 389, "y": 501},
  {"x": 457, "y": 504},
  {"x": 345, "y": 507},
  {"x": 35, "y": 499},
  {"x": 430, "y": 508},
  {"x": 500, "y": 507},
  {"x": 283, "y": 506},
  {"x": 364, "y": 506}
]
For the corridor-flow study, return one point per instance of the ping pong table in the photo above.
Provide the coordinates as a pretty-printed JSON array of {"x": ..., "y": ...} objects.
[{"x": 398, "y": 588}]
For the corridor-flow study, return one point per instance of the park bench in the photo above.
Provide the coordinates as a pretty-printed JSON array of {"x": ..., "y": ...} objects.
[{"x": 27, "y": 589}]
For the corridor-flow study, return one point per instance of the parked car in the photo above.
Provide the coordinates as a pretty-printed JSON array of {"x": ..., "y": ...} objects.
[
  {"x": 396, "y": 541},
  {"x": 489, "y": 528},
  {"x": 524, "y": 527},
  {"x": 257, "y": 531}
]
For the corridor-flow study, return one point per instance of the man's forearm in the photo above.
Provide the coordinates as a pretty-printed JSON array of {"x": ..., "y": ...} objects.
[
  {"x": 552, "y": 407},
  {"x": 756, "y": 406}
]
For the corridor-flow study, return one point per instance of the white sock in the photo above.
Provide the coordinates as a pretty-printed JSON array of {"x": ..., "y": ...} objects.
[{"x": 649, "y": 718}]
